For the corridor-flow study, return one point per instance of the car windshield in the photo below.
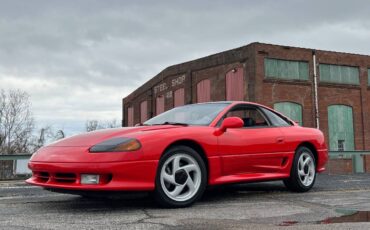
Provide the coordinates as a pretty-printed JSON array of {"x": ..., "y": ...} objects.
[{"x": 195, "y": 114}]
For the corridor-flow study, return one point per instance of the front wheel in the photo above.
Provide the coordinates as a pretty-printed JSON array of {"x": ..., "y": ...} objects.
[
  {"x": 303, "y": 172},
  {"x": 181, "y": 177}
]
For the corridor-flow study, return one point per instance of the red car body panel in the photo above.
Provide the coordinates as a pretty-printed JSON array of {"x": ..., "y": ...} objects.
[{"x": 238, "y": 155}]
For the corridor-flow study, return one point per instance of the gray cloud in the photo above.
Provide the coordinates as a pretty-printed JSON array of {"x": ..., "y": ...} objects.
[{"x": 77, "y": 59}]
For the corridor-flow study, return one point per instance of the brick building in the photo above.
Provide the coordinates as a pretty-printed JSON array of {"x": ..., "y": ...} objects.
[{"x": 329, "y": 90}]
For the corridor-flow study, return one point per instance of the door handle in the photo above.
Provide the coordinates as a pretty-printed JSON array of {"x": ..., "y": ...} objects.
[{"x": 280, "y": 139}]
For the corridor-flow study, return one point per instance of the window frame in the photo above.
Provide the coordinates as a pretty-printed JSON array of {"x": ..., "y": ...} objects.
[
  {"x": 257, "y": 108},
  {"x": 286, "y": 78},
  {"x": 338, "y": 82}
]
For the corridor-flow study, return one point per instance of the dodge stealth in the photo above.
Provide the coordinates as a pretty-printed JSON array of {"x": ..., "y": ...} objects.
[{"x": 178, "y": 153}]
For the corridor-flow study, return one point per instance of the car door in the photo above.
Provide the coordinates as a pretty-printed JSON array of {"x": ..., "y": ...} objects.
[{"x": 255, "y": 148}]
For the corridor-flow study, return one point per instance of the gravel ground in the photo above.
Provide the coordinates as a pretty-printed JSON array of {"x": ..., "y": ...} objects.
[{"x": 246, "y": 206}]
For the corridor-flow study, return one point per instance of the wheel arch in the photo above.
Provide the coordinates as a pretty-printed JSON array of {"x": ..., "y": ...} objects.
[
  {"x": 192, "y": 144},
  {"x": 311, "y": 147}
]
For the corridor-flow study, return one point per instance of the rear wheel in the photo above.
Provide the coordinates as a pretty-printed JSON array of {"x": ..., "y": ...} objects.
[
  {"x": 181, "y": 177},
  {"x": 303, "y": 172}
]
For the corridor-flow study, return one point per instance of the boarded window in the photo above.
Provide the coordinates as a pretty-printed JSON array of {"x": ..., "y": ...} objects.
[
  {"x": 143, "y": 111},
  {"x": 204, "y": 91},
  {"x": 235, "y": 85},
  {"x": 288, "y": 70},
  {"x": 159, "y": 104},
  {"x": 341, "y": 135},
  {"x": 179, "y": 97},
  {"x": 339, "y": 74},
  {"x": 291, "y": 110},
  {"x": 130, "y": 116}
]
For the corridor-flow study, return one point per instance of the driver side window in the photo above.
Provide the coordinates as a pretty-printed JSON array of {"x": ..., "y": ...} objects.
[{"x": 251, "y": 116}]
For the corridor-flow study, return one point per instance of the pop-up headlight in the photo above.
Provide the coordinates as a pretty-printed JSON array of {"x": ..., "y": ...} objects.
[{"x": 117, "y": 144}]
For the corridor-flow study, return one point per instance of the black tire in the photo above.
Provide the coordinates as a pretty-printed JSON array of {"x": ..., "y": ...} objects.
[
  {"x": 160, "y": 195},
  {"x": 294, "y": 182}
]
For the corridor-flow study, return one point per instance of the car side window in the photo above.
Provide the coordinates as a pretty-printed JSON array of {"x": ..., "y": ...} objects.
[
  {"x": 276, "y": 119},
  {"x": 251, "y": 116}
]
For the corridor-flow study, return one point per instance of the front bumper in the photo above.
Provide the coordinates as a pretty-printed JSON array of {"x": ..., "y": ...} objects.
[{"x": 116, "y": 176}]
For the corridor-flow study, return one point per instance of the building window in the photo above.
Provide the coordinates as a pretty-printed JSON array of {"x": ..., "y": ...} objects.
[
  {"x": 179, "y": 97},
  {"x": 235, "y": 85},
  {"x": 130, "y": 116},
  {"x": 204, "y": 91},
  {"x": 287, "y": 70},
  {"x": 339, "y": 74},
  {"x": 291, "y": 110},
  {"x": 341, "y": 133},
  {"x": 368, "y": 77},
  {"x": 143, "y": 111},
  {"x": 341, "y": 145}
]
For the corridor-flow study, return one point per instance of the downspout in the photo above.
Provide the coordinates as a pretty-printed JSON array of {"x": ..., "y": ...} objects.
[
  {"x": 317, "y": 115},
  {"x": 123, "y": 114}
]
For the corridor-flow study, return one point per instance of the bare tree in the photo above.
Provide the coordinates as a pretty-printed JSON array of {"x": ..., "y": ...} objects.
[
  {"x": 16, "y": 122},
  {"x": 44, "y": 136},
  {"x": 92, "y": 125}
]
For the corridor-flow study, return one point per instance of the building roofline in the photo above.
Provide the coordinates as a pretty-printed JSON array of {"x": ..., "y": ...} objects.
[
  {"x": 196, "y": 64},
  {"x": 182, "y": 68}
]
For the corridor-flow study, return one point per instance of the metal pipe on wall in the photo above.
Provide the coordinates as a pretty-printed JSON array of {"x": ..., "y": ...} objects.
[{"x": 315, "y": 90}]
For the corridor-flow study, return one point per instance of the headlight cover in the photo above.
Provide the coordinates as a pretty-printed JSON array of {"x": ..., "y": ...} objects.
[{"x": 117, "y": 144}]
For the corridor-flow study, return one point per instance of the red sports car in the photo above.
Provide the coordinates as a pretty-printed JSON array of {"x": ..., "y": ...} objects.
[{"x": 177, "y": 154}]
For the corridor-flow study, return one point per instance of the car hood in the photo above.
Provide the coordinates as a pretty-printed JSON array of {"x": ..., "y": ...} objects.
[{"x": 91, "y": 138}]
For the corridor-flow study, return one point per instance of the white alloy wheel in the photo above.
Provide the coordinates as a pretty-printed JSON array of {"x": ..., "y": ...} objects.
[
  {"x": 306, "y": 169},
  {"x": 303, "y": 171},
  {"x": 180, "y": 177}
]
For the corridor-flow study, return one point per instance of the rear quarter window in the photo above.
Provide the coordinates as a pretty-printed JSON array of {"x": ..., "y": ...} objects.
[{"x": 276, "y": 119}]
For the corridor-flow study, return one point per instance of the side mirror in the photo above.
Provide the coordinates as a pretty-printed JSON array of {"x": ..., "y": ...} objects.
[{"x": 229, "y": 123}]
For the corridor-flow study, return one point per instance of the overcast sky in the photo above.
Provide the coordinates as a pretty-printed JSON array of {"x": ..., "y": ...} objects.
[{"x": 78, "y": 59}]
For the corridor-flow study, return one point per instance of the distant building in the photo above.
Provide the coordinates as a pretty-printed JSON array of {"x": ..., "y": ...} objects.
[{"x": 281, "y": 77}]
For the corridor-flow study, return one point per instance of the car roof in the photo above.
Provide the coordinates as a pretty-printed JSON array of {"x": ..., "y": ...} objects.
[{"x": 232, "y": 102}]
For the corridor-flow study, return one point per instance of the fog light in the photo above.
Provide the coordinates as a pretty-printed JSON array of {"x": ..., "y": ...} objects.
[{"x": 89, "y": 179}]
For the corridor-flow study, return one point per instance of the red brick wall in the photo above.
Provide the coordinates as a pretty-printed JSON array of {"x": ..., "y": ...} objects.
[
  {"x": 339, "y": 166},
  {"x": 269, "y": 91},
  {"x": 265, "y": 91},
  {"x": 217, "y": 75},
  {"x": 367, "y": 163},
  {"x": 329, "y": 95}
]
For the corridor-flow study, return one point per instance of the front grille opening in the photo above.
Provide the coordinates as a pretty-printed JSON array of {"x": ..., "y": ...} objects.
[
  {"x": 106, "y": 179},
  {"x": 42, "y": 176},
  {"x": 65, "y": 177}
]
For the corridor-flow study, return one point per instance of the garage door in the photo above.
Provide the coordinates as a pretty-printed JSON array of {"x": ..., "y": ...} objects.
[
  {"x": 130, "y": 116},
  {"x": 204, "y": 91},
  {"x": 341, "y": 135},
  {"x": 235, "y": 85},
  {"x": 159, "y": 104},
  {"x": 179, "y": 97},
  {"x": 143, "y": 111}
]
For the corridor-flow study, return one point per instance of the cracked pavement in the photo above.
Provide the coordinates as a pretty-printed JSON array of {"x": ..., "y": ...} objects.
[{"x": 246, "y": 206}]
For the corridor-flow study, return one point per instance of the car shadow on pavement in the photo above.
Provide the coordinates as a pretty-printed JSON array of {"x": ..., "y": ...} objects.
[
  {"x": 134, "y": 201},
  {"x": 227, "y": 192}
]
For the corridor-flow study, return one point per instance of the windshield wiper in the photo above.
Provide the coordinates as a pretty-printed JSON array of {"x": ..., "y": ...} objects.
[{"x": 171, "y": 123}]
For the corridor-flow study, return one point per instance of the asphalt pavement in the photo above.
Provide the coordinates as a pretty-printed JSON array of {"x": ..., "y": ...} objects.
[{"x": 333, "y": 203}]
